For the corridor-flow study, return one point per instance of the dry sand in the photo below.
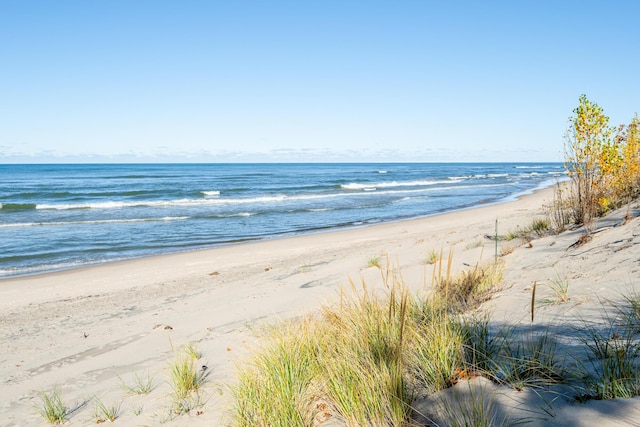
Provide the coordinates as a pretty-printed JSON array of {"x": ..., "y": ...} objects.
[{"x": 87, "y": 330}]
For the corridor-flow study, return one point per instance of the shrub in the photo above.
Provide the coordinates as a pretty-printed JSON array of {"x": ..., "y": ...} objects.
[{"x": 588, "y": 158}]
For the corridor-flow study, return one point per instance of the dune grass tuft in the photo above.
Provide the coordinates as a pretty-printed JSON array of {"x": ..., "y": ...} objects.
[
  {"x": 432, "y": 257},
  {"x": 52, "y": 409},
  {"x": 186, "y": 381},
  {"x": 368, "y": 353},
  {"x": 374, "y": 261},
  {"x": 559, "y": 287},
  {"x": 141, "y": 384},
  {"x": 437, "y": 346},
  {"x": 103, "y": 412},
  {"x": 470, "y": 288},
  {"x": 473, "y": 408},
  {"x": 276, "y": 387},
  {"x": 612, "y": 370},
  {"x": 184, "y": 377},
  {"x": 530, "y": 360}
]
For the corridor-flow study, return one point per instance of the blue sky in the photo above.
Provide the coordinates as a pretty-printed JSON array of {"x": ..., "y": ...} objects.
[{"x": 219, "y": 81}]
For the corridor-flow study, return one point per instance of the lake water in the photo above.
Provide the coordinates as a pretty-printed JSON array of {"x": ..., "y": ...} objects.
[{"x": 63, "y": 216}]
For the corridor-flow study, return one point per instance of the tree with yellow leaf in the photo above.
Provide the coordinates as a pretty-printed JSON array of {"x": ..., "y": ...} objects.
[
  {"x": 589, "y": 159},
  {"x": 628, "y": 182}
]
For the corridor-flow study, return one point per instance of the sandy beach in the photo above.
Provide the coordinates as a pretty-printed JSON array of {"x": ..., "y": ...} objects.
[{"x": 88, "y": 330}]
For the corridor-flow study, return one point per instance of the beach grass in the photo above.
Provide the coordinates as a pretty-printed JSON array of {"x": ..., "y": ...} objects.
[
  {"x": 52, "y": 408},
  {"x": 559, "y": 287},
  {"x": 373, "y": 261},
  {"x": 184, "y": 377},
  {"x": 539, "y": 226},
  {"x": 361, "y": 361},
  {"x": 275, "y": 387},
  {"x": 139, "y": 385},
  {"x": 191, "y": 351},
  {"x": 103, "y": 412},
  {"x": 438, "y": 339},
  {"x": 470, "y": 288},
  {"x": 629, "y": 309},
  {"x": 528, "y": 360},
  {"x": 612, "y": 369},
  {"x": 370, "y": 339},
  {"x": 474, "y": 407},
  {"x": 433, "y": 256}
]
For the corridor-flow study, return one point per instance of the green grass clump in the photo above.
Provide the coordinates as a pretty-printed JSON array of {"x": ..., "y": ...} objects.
[
  {"x": 432, "y": 257},
  {"x": 276, "y": 387},
  {"x": 374, "y": 261},
  {"x": 474, "y": 408},
  {"x": 470, "y": 288},
  {"x": 482, "y": 348},
  {"x": 630, "y": 310},
  {"x": 511, "y": 357},
  {"x": 529, "y": 361},
  {"x": 52, "y": 409},
  {"x": 438, "y": 347},
  {"x": 365, "y": 359},
  {"x": 186, "y": 380},
  {"x": 140, "y": 384},
  {"x": 184, "y": 376},
  {"x": 539, "y": 227},
  {"x": 559, "y": 287},
  {"x": 103, "y": 412},
  {"x": 612, "y": 370}
]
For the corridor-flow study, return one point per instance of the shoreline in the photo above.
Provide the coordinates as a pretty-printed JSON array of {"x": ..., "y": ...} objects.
[{"x": 288, "y": 235}]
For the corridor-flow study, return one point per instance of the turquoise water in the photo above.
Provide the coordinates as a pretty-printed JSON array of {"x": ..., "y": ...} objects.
[{"x": 63, "y": 216}]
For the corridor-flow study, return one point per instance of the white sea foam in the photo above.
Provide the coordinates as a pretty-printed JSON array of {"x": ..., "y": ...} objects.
[
  {"x": 97, "y": 221},
  {"x": 203, "y": 202},
  {"x": 366, "y": 191},
  {"x": 392, "y": 184},
  {"x": 212, "y": 193}
]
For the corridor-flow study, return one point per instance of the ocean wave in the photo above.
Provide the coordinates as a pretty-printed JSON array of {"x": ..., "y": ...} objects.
[
  {"x": 212, "y": 193},
  {"x": 392, "y": 184},
  {"x": 92, "y": 222},
  {"x": 203, "y": 202},
  {"x": 17, "y": 206},
  {"x": 55, "y": 266},
  {"x": 491, "y": 175}
]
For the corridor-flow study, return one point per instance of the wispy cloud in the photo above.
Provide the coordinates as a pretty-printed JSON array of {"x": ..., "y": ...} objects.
[{"x": 163, "y": 155}]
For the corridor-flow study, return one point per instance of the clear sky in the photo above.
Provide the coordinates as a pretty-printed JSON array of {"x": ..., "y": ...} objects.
[{"x": 345, "y": 80}]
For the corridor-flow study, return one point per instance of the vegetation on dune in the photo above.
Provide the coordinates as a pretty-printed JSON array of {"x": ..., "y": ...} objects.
[
  {"x": 365, "y": 360},
  {"x": 52, "y": 408},
  {"x": 603, "y": 162}
]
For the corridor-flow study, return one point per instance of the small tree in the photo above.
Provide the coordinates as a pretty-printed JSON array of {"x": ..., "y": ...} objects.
[
  {"x": 587, "y": 159},
  {"x": 628, "y": 183}
]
